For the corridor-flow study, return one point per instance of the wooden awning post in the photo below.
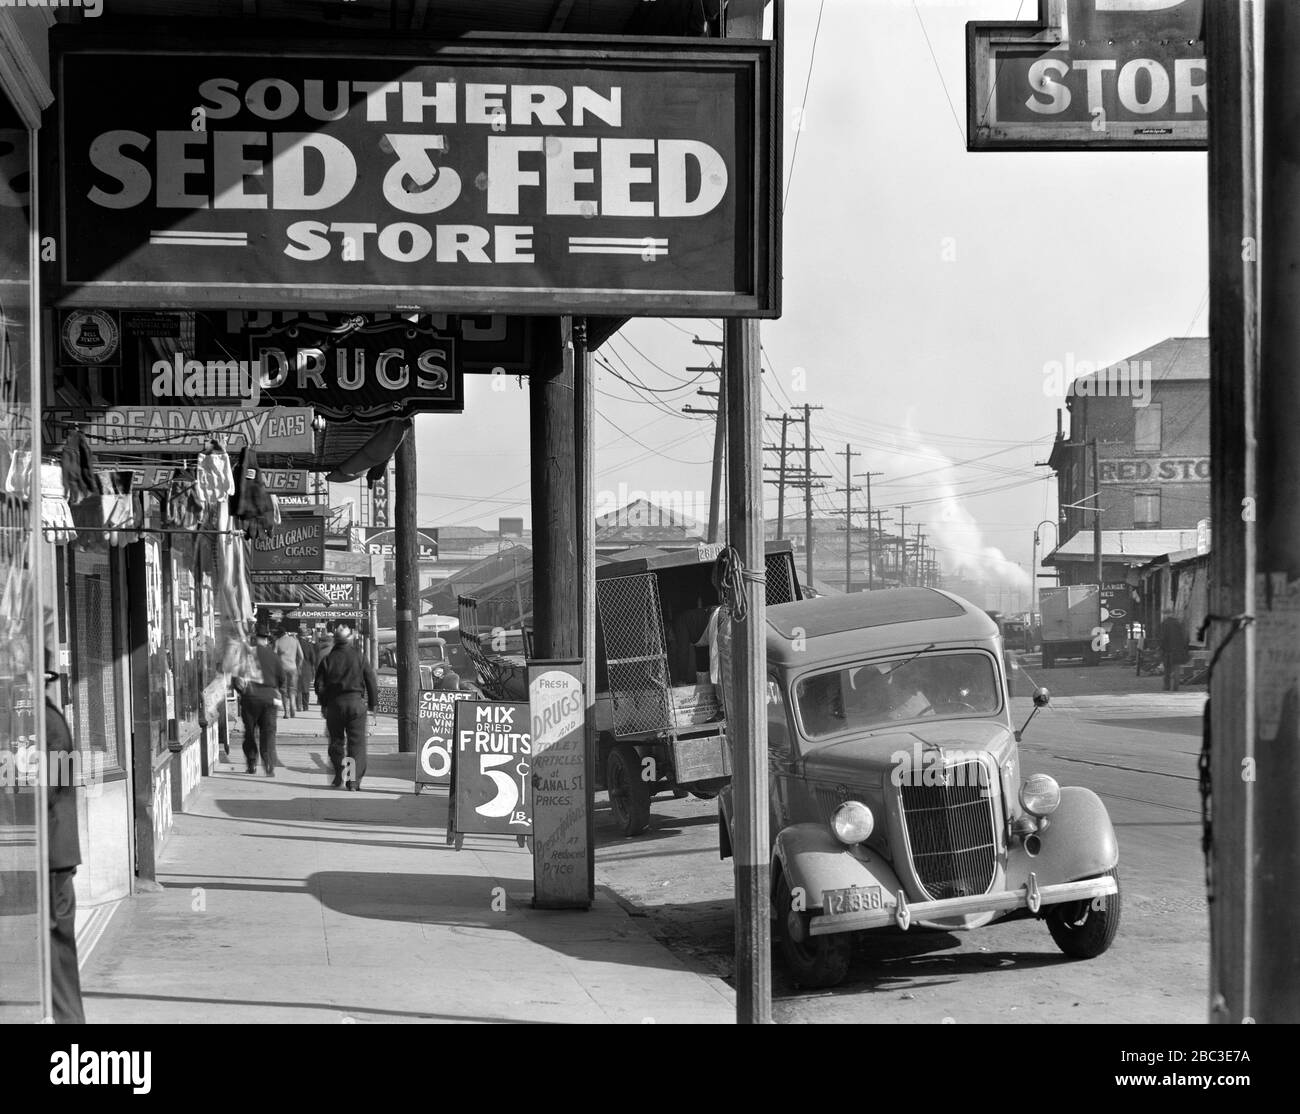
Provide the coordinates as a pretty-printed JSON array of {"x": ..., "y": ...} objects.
[{"x": 407, "y": 593}]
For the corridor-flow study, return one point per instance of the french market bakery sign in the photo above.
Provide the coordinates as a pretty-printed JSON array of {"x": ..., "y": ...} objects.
[{"x": 523, "y": 179}]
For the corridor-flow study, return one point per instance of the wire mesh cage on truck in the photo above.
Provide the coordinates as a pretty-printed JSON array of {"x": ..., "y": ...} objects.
[{"x": 659, "y": 714}]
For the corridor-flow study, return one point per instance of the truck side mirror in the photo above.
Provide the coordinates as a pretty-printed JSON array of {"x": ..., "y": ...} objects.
[{"x": 1041, "y": 699}]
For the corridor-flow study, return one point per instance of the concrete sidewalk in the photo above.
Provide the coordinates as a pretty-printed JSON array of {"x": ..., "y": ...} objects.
[{"x": 287, "y": 901}]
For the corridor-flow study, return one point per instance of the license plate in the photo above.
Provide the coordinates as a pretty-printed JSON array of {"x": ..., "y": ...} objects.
[{"x": 854, "y": 899}]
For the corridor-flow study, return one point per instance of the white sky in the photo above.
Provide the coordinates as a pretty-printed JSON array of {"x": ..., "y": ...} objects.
[{"x": 916, "y": 360}]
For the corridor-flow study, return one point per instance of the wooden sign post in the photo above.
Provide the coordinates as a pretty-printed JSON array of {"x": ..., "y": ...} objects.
[
  {"x": 491, "y": 763},
  {"x": 561, "y": 791}
]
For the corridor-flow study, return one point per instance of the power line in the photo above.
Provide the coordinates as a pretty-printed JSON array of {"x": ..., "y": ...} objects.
[{"x": 794, "y": 154}]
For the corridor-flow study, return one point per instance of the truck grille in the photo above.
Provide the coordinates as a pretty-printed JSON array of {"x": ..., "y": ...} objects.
[{"x": 952, "y": 833}]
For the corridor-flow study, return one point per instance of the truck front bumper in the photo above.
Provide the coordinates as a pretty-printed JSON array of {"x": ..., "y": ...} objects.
[{"x": 902, "y": 913}]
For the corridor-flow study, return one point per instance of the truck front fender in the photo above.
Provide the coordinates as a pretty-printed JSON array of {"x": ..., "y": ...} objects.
[
  {"x": 812, "y": 859},
  {"x": 1078, "y": 842}
]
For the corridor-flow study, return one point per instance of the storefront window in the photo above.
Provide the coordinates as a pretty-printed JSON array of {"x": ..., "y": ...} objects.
[
  {"x": 95, "y": 599},
  {"x": 23, "y": 921}
]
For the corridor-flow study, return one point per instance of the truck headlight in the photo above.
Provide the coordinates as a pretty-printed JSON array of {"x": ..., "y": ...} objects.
[
  {"x": 852, "y": 822},
  {"x": 1040, "y": 794}
]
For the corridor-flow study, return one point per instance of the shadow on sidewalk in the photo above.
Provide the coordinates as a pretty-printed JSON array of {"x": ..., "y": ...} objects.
[{"x": 470, "y": 906}]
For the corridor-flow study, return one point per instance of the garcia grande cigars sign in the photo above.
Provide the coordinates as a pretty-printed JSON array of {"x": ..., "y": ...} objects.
[{"x": 557, "y": 178}]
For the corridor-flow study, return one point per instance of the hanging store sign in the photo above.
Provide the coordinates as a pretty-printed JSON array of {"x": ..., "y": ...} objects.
[
  {"x": 382, "y": 175},
  {"x": 1108, "y": 74},
  {"x": 186, "y": 429},
  {"x": 329, "y": 615},
  {"x": 296, "y": 542},
  {"x": 482, "y": 342},
  {"x": 285, "y": 481}
]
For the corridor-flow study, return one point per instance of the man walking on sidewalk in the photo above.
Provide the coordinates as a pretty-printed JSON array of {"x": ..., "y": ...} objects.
[
  {"x": 290, "y": 651},
  {"x": 258, "y": 685},
  {"x": 1173, "y": 647},
  {"x": 348, "y": 691}
]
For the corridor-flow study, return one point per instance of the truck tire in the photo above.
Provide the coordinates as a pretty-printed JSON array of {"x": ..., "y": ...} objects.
[
  {"x": 1085, "y": 929},
  {"x": 813, "y": 961},
  {"x": 1091, "y": 656},
  {"x": 1049, "y": 658},
  {"x": 629, "y": 793}
]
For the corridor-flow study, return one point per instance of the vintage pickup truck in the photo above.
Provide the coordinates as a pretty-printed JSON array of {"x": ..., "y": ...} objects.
[{"x": 896, "y": 794}]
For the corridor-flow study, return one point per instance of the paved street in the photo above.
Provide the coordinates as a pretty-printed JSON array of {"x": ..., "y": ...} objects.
[{"x": 1106, "y": 729}]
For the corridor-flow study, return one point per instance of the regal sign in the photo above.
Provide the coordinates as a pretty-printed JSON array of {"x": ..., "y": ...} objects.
[
  {"x": 398, "y": 175},
  {"x": 1116, "y": 74}
]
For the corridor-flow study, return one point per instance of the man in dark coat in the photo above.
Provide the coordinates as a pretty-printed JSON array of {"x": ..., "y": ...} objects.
[
  {"x": 258, "y": 689},
  {"x": 1173, "y": 648},
  {"x": 348, "y": 691},
  {"x": 307, "y": 675},
  {"x": 64, "y": 858}
]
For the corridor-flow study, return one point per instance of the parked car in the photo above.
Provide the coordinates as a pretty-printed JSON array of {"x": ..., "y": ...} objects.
[{"x": 896, "y": 794}]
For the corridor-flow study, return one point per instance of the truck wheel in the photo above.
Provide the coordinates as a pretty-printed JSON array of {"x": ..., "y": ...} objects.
[
  {"x": 629, "y": 794},
  {"x": 1091, "y": 656},
  {"x": 707, "y": 790},
  {"x": 1049, "y": 658},
  {"x": 1085, "y": 929},
  {"x": 814, "y": 961}
]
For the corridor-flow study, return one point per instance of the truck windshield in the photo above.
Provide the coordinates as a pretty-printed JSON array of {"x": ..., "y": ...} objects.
[{"x": 860, "y": 697}]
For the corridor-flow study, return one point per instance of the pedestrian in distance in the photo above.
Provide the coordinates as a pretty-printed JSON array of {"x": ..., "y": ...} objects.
[
  {"x": 307, "y": 675},
  {"x": 64, "y": 852},
  {"x": 1173, "y": 649},
  {"x": 290, "y": 651},
  {"x": 259, "y": 684},
  {"x": 348, "y": 692}
]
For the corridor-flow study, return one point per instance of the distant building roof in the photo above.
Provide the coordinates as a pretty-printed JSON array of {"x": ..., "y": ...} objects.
[
  {"x": 1130, "y": 547},
  {"x": 1172, "y": 359},
  {"x": 643, "y": 522}
]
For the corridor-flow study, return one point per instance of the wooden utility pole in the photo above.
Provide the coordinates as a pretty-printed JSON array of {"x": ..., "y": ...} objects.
[
  {"x": 1233, "y": 39},
  {"x": 406, "y": 544},
  {"x": 719, "y": 450},
  {"x": 808, "y": 489},
  {"x": 920, "y": 570},
  {"x": 557, "y": 612},
  {"x": 780, "y": 490},
  {"x": 880, "y": 529},
  {"x": 747, "y": 723},
  {"x": 1275, "y": 970},
  {"x": 871, "y": 552},
  {"x": 848, "y": 454},
  {"x": 1096, "y": 519},
  {"x": 902, "y": 544}
]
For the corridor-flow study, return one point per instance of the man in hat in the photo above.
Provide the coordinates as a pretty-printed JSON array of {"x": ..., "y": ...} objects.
[
  {"x": 348, "y": 691},
  {"x": 64, "y": 846},
  {"x": 259, "y": 687}
]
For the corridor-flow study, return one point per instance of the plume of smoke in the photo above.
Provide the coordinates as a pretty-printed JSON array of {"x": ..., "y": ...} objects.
[{"x": 956, "y": 534}]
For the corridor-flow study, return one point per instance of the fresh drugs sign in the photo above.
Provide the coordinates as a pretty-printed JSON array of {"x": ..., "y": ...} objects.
[{"x": 467, "y": 176}]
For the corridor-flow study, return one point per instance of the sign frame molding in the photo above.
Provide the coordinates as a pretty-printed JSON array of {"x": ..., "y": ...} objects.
[{"x": 762, "y": 230}]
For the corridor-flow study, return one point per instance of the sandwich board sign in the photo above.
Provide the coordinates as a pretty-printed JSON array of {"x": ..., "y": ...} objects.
[
  {"x": 1089, "y": 74},
  {"x": 437, "y": 728},
  {"x": 491, "y": 783}
]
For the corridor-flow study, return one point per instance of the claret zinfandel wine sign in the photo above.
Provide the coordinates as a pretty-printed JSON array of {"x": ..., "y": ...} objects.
[{"x": 543, "y": 177}]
